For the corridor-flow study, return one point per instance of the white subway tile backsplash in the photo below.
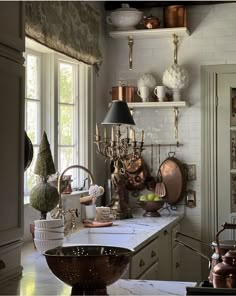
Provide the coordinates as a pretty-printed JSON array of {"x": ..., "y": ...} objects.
[{"x": 212, "y": 42}]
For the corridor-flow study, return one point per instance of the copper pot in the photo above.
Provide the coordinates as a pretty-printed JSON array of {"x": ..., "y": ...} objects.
[
  {"x": 123, "y": 93},
  {"x": 151, "y": 22},
  {"x": 175, "y": 16},
  {"x": 220, "y": 247},
  {"x": 224, "y": 273}
]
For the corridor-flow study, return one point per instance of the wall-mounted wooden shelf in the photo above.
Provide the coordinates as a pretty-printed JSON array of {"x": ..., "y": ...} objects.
[
  {"x": 180, "y": 104},
  {"x": 152, "y": 33}
]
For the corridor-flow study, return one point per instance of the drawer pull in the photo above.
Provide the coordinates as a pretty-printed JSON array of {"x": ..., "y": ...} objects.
[
  {"x": 2, "y": 264},
  {"x": 153, "y": 254},
  {"x": 177, "y": 264},
  {"x": 165, "y": 232},
  {"x": 142, "y": 263}
]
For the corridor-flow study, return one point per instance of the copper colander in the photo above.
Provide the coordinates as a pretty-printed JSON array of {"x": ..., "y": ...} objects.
[{"x": 88, "y": 268}]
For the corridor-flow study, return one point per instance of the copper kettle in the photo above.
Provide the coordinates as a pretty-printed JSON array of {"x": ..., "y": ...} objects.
[{"x": 224, "y": 273}]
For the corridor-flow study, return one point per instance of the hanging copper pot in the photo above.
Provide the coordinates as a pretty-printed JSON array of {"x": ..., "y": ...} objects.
[{"x": 136, "y": 180}]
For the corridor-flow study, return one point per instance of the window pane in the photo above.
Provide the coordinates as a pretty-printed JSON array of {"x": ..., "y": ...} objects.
[
  {"x": 65, "y": 157},
  {"x": 66, "y": 83},
  {"x": 32, "y": 120},
  {"x": 66, "y": 119},
  {"x": 32, "y": 68},
  {"x": 30, "y": 177}
]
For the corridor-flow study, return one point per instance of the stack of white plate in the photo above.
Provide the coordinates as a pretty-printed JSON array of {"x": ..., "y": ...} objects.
[{"x": 48, "y": 234}]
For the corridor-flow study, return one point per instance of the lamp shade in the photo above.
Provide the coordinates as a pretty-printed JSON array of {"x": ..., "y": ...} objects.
[{"x": 118, "y": 113}]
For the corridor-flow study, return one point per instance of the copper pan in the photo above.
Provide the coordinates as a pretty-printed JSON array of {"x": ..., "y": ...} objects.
[
  {"x": 175, "y": 179},
  {"x": 136, "y": 180}
]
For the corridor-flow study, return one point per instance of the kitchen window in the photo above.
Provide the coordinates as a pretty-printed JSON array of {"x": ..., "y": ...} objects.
[{"x": 58, "y": 90}]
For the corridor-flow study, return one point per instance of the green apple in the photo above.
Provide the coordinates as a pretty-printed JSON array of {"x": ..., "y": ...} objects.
[
  {"x": 150, "y": 196},
  {"x": 157, "y": 198},
  {"x": 143, "y": 198}
]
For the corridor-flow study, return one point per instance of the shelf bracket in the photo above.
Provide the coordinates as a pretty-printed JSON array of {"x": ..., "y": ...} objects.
[
  {"x": 176, "y": 123},
  {"x": 130, "y": 44}
]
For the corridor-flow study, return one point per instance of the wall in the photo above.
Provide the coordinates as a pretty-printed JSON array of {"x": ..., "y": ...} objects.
[{"x": 212, "y": 41}]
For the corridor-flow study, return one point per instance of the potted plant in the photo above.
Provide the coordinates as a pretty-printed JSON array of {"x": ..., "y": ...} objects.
[{"x": 44, "y": 197}]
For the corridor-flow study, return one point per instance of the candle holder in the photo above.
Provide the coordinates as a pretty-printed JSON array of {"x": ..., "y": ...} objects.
[{"x": 121, "y": 150}]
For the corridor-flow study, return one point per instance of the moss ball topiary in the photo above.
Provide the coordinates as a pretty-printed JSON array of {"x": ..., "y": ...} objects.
[{"x": 44, "y": 197}]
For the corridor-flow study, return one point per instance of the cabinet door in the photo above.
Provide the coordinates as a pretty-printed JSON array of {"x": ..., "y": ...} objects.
[
  {"x": 11, "y": 150},
  {"x": 176, "y": 263},
  {"x": 165, "y": 255},
  {"x": 152, "y": 274},
  {"x": 12, "y": 24}
]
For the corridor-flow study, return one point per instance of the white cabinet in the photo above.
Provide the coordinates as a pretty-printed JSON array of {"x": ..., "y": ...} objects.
[
  {"x": 12, "y": 134},
  {"x": 158, "y": 259},
  {"x": 176, "y": 263}
]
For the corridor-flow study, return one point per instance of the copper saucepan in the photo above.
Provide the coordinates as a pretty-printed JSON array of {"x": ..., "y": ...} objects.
[
  {"x": 136, "y": 174},
  {"x": 123, "y": 93}
]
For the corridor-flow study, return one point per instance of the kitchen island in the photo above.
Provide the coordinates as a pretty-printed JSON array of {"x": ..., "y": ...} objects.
[
  {"x": 37, "y": 279},
  {"x": 143, "y": 235}
]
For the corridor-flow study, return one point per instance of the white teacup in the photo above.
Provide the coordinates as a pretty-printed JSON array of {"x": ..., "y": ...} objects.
[
  {"x": 144, "y": 92},
  {"x": 90, "y": 212},
  {"x": 160, "y": 92}
]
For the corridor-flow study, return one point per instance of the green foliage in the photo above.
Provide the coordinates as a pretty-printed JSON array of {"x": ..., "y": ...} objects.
[
  {"x": 44, "y": 197},
  {"x": 44, "y": 165}
]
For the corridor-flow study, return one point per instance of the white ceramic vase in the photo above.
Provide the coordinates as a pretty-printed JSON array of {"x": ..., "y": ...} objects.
[{"x": 176, "y": 78}]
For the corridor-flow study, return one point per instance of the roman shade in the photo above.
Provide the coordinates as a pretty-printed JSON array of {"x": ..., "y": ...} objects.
[{"x": 69, "y": 27}]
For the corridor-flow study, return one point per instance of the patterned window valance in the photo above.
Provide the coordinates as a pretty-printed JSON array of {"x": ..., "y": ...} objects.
[{"x": 69, "y": 27}]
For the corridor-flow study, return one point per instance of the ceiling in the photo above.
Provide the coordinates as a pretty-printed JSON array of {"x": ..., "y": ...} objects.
[{"x": 111, "y": 5}]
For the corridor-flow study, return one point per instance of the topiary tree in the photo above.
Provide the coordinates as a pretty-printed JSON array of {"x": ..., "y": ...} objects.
[{"x": 44, "y": 197}]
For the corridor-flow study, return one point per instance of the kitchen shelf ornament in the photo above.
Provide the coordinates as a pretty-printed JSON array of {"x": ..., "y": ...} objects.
[
  {"x": 176, "y": 77},
  {"x": 43, "y": 196}
]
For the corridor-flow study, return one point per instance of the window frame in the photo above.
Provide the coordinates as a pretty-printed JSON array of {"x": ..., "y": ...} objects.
[{"x": 49, "y": 108}]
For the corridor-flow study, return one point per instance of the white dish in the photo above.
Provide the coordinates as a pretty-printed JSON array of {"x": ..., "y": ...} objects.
[
  {"x": 53, "y": 223},
  {"x": 55, "y": 229},
  {"x": 125, "y": 18},
  {"x": 44, "y": 245},
  {"x": 48, "y": 235}
]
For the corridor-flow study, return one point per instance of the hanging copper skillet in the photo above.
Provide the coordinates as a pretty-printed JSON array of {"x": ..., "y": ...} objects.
[
  {"x": 135, "y": 180},
  {"x": 174, "y": 177}
]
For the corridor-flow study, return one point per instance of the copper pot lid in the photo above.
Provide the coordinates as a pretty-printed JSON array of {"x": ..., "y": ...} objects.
[
  {"x": 133, "y": 166},
  {"x": 174, "y": 178}
]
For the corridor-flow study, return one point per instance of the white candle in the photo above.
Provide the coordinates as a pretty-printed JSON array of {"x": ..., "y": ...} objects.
[
  {"x": 142, "y": 135},
  {"x": 127, "y": 132},
  {"x": 112, "y": 133},
  {"x": 105, "y": 134},
  {"x": 97, "y": 132},
  {"x": 132, "y": 134}
]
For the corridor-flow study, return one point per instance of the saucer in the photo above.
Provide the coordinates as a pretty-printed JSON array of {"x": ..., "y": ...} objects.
[{"x": 93, "y": 224}]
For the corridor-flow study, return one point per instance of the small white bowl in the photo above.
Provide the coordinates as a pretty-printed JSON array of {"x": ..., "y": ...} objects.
[
  {"x": 44, "y": 245},
  {"x": 55, "y": 229},
  {"x": 48, "y": 235},
  {"x": 53, "y": 223}
]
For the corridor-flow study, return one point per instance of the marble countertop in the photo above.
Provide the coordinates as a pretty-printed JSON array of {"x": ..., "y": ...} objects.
[
  {"x": 37, "y": 279},
  {"x": 129, "y": 233},
  {"x": 132, "y": 233}
]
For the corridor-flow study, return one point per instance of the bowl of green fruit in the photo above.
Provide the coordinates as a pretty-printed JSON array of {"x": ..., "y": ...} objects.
[{"x": 151, "y": 203}]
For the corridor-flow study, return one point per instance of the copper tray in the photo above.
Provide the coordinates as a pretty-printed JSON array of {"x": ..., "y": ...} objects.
[{"x": 175, "y": 178}]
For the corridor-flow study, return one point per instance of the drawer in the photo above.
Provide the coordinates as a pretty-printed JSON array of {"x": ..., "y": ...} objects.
[
  {"x": 175, "y": 229},
  {"x": 143, "y": 259},
  {"x": 10, "y": 261}
]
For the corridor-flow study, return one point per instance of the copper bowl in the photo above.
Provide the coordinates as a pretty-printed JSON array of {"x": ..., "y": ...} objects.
[
  {"x": 151, "y": 207},
  {"x": 88, "y": 268}
]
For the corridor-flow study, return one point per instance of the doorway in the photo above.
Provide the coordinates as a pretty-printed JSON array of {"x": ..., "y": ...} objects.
[{"x": 218, "y": 136}]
